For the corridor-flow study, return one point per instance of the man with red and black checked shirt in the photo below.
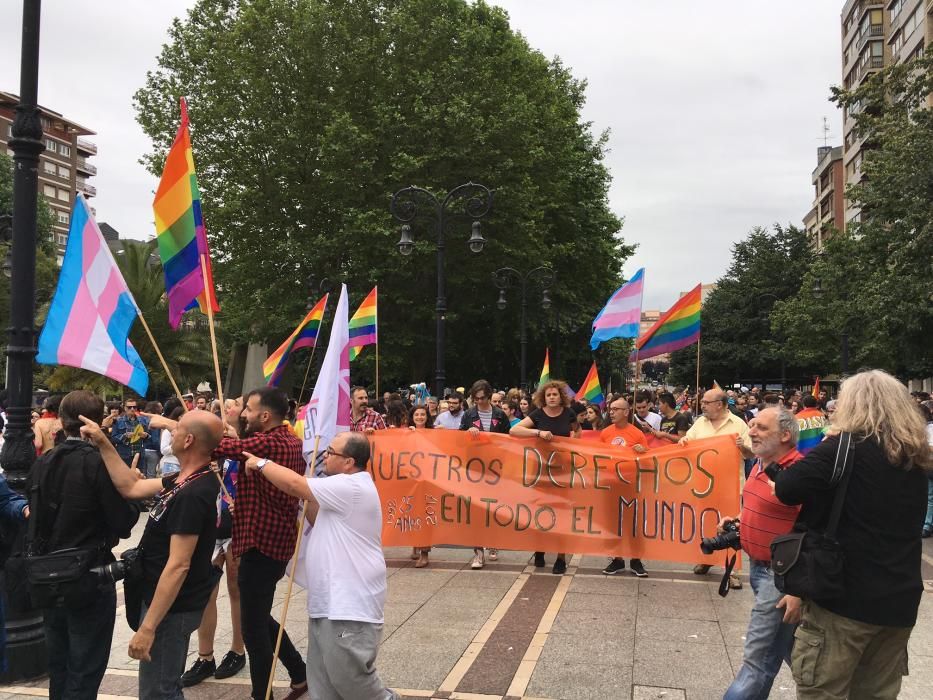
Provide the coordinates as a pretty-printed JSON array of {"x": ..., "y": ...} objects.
[
  {"x": 264, "y": 533},
  {"x": 363, "y": 419}
]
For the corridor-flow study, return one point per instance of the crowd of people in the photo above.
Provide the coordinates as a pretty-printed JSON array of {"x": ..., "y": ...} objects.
[{"x": 223, "y": 487}]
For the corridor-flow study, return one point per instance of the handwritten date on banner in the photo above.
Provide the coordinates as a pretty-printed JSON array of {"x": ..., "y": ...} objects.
[{"x": 566, "y": 495}]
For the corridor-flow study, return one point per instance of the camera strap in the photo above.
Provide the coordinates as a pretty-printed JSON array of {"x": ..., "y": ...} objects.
[
  {"x": 724, "y": 584},
  {"x": 841, "y": 473}
]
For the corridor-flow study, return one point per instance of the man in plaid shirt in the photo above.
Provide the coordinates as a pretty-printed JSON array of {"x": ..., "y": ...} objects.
[
  {"x": 363, "y": 419},
  {"x": 264, "y": 533}
]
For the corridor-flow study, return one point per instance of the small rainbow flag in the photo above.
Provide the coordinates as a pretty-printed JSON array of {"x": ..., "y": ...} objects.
[
  {"x": 816, "y": 388},
  {"x": 812, "y": 423},
  {"x": 363, "y": 329},
  {"x": 304, "y": 336},
  {"x": 676, "y": 329},
  {"x": 180, "y": 230},
  {"x": 546, "y": 370},
  {"x": 590, "y": 389}
]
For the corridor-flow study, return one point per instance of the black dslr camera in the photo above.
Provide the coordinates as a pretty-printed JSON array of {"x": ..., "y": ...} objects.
[
  {"x": 129, "y": 565},
  {"x": 729, "y": 539}
]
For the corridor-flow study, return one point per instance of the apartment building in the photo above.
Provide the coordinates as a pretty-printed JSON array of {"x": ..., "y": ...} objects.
[
  {"x": 908, "y": 28},
  {"x": 64, "y": 167},
  {"x": 828, "y": 212}
]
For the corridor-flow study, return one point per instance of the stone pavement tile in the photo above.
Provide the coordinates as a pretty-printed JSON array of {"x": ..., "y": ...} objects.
[
  {"x": 678, "y": 630},
  {"x": 405, "y": 664},
  {"x": 613, "y": 647},
  {"x": 698, "y": 668},
  {"x": 580, "y": 682},
  {"x": 734, "y": 633},
  {"x": 607, "y": 604},
  {"x": 734, "y": 608},
  {"x": 605, "y": 585},
  {"x": 582, "y": 622},
  {"x": 917, "y": 685},
  {"x": 494, "y": 668},
  {"x": 453, "y": 597},
  {"x": 439, "y": 617},
  {"x": 482, "y": 579},
  {"x": 119, "y": 685},
  {"x": 668, "y": 590},
  {"x": 647, "y": 692},
  {"x": 397, "y": 613},
  {"x": 685, "y": 609}
]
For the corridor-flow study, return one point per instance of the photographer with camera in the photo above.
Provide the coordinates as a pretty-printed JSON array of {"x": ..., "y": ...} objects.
[
  {"x": 175, "y": 572},
  {"x": 76, "y": 506},
  {"x": 770, "y": 635}
]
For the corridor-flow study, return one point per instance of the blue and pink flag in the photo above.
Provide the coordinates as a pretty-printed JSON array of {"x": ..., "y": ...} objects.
[
  {"x": 92, "y": 312},
  {"x": 621, "y": 316}
]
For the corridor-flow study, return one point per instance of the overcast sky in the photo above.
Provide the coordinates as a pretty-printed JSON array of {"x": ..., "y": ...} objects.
[{"x": 715, "y": 109}]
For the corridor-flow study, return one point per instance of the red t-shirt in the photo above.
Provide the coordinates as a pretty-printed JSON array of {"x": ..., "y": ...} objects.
[
  {"x": 629, "y": 436},
  {"x": 764, "y": 517}
]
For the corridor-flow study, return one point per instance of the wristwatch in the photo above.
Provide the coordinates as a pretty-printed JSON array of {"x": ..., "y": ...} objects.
[{"x": 260, "y": 465}]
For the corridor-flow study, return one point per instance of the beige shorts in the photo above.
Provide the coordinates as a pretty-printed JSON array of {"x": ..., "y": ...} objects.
[{"x": 220, "y": 547}]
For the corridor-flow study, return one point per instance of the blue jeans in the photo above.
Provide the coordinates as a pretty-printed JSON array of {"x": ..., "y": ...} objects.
[
  {"x": 160, "y": 678},
  {"x": 768, "y": 641},
  {"x": 79, "y": 646},
  {"x": 928, "y": 523}
]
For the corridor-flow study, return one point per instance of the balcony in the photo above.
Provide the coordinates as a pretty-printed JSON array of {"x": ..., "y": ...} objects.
[
  {"x": 874, "y": 31},
  {"x": 89, "y": 190},
  {"x": 87, "y": 147},
  {"x": 86, "y": 167}
]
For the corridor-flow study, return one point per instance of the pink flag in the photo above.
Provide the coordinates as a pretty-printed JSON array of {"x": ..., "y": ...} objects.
[{"x": 621, "y": 316}]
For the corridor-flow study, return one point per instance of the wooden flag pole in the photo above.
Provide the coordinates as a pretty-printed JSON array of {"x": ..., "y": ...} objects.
[
  {"x": 698, "y": 375},
  {"x": 210, "y": 323},
  {"x": 637, "y": 373},
  {"x": 377, "y": 365},
  {"x": 291, "y": 578},
  {"x": 155, "y": 346}
]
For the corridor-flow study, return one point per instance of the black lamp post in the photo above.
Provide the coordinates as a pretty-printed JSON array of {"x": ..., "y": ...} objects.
[
  {"x": 761, "y": 298},
  {"x": 26, "y": 652},
  {"x": 504, "y": 278},
  {"x": 411, "y": 202},
  {"x": 844, "y": 336}
]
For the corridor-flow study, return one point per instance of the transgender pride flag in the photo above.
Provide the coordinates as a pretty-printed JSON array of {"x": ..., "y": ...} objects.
[
  {"x": 89, "y": 321},
  {"x": 621, "y": 316}
]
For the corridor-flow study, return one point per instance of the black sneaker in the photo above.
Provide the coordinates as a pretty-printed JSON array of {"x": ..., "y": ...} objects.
[
  {"x": 637, "y": 568},
  {"x": 560, "y": 566},
  {"x": 616, "y": 566},
  {"x": 539, "y": 560},
  {"x": 230, "y": 665},
  {"x": 200, "y": 670}
]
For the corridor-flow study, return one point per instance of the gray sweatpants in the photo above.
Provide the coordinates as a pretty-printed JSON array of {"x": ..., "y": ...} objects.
[{"x": 342, "y": 661}]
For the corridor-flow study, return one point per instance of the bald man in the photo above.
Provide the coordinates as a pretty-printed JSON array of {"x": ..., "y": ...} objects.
[
  {"x": 177, "y": 546},
  {"x": 717, "y": 419}
]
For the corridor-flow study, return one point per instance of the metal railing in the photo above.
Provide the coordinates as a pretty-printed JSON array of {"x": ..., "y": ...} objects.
[{"x": 87, "y": 146}]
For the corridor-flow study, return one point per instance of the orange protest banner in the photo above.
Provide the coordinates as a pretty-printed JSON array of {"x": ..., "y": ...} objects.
[{"x": 566, "y": 495}]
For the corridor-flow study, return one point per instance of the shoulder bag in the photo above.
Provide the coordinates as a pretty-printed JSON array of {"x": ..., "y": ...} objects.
[{"x": 808, "y": 563}]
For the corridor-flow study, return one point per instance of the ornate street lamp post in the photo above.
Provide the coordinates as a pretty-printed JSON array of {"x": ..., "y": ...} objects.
[
  {"x": 504, "y": 278},
  {"x": 25, "y": 649},
  {"x": 470, "y": 201}
]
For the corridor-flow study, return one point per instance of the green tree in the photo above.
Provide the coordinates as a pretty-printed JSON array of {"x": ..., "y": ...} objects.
[
  {"x": 737, "y": 340},
  {"x": 308, "y": 114},
  {"x": 877, "y": 281}
]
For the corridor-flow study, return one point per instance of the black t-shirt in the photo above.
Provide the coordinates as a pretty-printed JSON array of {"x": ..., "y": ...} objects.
[
  {"x": 675, "y": 424},
  {"x": 561, "y": 425},
  {"x": 191, "y": 511}
]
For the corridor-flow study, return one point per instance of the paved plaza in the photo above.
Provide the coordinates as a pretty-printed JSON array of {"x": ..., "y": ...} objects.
[{"x": 511, "y": 631}]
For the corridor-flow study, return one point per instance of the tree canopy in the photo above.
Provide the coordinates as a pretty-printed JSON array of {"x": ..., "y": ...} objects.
[{"x": 308, "y": 114}]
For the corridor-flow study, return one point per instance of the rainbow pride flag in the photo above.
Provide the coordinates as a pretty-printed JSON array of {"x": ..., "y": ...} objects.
[
  {"x": 304, "y": 336},
  {"x": 546, "y": 369},
  {"x": 812, "y": 424},
  {"x": 676, "y": 329},
  {"x": 816, "y": 388},
  {"x": 180, "y": 230},
  {"x": 590, "y": 389},
  {"x": 363, "y": 325}
]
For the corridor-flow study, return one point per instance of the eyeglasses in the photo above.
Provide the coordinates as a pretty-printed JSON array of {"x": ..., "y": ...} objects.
[
  {"x": 331, "y": 452},
  {"x": 707, "y": 403},
  {"x": 131, "y": 408},
  {"x": 617, "y": 408}
]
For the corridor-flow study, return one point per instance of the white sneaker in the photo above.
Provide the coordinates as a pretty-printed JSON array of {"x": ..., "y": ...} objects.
[
  {"x": 493, "y": 554},
  {"x": 478, "y": 561}
]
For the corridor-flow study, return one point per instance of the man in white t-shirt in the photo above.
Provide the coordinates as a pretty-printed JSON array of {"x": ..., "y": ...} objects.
[{"x": 345, "y": 569}]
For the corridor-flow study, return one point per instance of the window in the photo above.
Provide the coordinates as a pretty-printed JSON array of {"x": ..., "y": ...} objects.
[
  {"x": 62, "y": 238},
  {"x": 64, "y": 150},
  {"x": 51, "y": 145},
  {"x": 49, "y": 168},
  {"x": 897, "y": 43},
  {"x": 62, "y": 217},
  {"x": 63, "y": 195},
  {"x": 896, "y": 9},
  {"x": 48, "y": 191},
  {"x": 64, "y": 172}
]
